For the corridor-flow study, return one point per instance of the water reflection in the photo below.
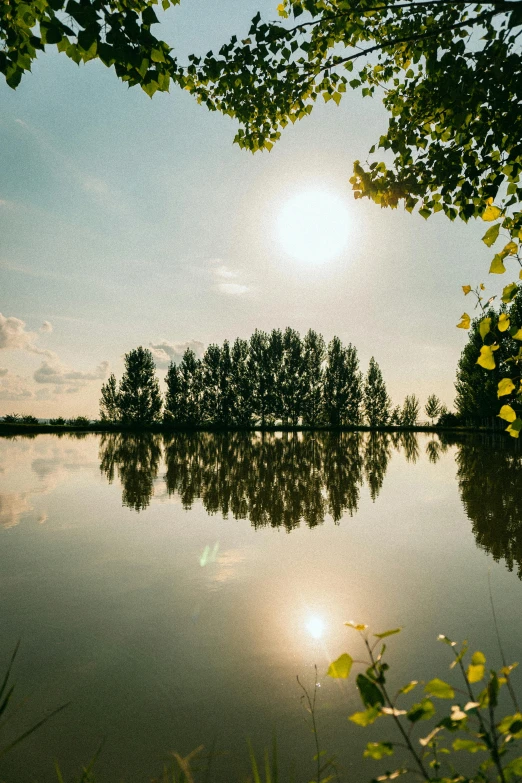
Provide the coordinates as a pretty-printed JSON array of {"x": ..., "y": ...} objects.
[
  {"x": 490, "y": 483},
  {"x": 287, "y": 479}
]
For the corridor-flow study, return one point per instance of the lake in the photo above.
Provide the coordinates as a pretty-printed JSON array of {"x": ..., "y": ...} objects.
[{"x": 173, "y": 588}]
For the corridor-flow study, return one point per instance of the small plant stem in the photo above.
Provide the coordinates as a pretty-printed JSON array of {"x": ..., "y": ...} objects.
[
  {"x": 503, "y": 657},
  {"x": 490, "y": 739},
  {"x": 311, "y": 708},
  {"x": 399, "y": 725}
]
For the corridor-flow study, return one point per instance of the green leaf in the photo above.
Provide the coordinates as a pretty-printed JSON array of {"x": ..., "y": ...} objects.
[
  {"x": 485, "y": 327},
  {"x": 486, "y": 358},
  {"x": 341, "y": 667},
  {"x": 387, "y": 633},
  {"x": 505, "y": 386},
  {"x": 370, "y": 694},
  {"x": 422, "y": 711},
  {"x": 356, "y": 626},
  {"x": 440, "y": 689},
  {"x": 491, "y": 213},
  {"x": 475, "y": 671},
  {"x": 497, "y": 266},
  {"x": 491, "y": 235},
  {"x": 470, "y": 745},
  {"x": 409, "y": 687},
  {"x": 378, "y": 750},
  {"x": 513, "y": 769},
  {"x": 509, "y": 293},
  {"x": 365, "y": 718},
  {"x": 511, "y": 724},
  {"x": 508, "y": 414}
]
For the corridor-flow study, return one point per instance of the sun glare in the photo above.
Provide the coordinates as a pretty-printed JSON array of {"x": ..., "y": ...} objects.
[
  {"x": 315, "y": 627},
  {"x": 313, "y": 226}
]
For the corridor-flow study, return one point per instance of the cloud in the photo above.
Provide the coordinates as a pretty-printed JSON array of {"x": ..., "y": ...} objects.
[
  {"x": 46, "y": 327},
  {"x": 232, "y": 289},
  {"x": 3, "y": 372},
  {"x": 223, "y": 274},
  {"x": 13, "y": 387},
  {"x": 58, "y": 376},
  {"x": 13, "y": 336},
  {"x": 166, "y": 352}
]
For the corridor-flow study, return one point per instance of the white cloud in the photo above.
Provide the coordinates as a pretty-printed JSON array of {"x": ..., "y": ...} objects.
[
  {"x": 233, "y": 289},
  {"x": 3, "y": 372},
  {"x": 13, "y": 336},
  {"x": 46, "y": 327},
  {"x": 55, "y": 374},
  {"x": 13, "y": 387},
  {"x": 222, "y": 275},
  {"x": 166, "y": 352}
]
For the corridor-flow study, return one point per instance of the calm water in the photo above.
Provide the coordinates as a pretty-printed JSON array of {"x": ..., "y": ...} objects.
[{"x": 172, "y": 589}]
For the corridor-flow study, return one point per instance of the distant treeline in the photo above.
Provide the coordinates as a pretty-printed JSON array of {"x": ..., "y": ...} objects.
[{"x": 275, "y": 377}]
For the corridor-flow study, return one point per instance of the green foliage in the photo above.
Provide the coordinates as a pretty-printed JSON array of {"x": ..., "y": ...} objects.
[
  {"x": 433, "y": 407},
  {"x": 410, "y": 411},
  {"x": 478, "y": 387},
  {"x": 342, "y": 385},
  {"x": 473, "y": 718},
  {"x": 79, "y": 421},
  {"x": 11, "y": 418},
  {"x": 139, "y": 398},
  {"x": 117, "y": 33},
  {"x": 314, "y": 351},
  {"x": 375, "y": 398},
  {"x": 110, "y": 400},
  {"x": 59, "y": 422}
]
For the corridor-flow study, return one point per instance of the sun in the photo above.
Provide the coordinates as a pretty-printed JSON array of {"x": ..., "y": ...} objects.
[{"x": 313, "y": 226}]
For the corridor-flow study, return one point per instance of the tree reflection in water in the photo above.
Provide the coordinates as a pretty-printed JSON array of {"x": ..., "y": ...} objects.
[
  {"x": 490, "y": 483},
  {"x": 282, "y": 480}
]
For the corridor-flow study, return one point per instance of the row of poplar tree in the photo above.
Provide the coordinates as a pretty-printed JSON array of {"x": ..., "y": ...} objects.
[{"x": 272, "y": 377}]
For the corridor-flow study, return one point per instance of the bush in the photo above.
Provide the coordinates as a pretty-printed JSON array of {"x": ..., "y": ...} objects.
[
  {"x": 449, "y": 419},
  {"x": 79, "y": 421},
  {"x": 29, "y": 419},
  {"x": 11, "y": 418},
  {"x": 59, "y": 422}
]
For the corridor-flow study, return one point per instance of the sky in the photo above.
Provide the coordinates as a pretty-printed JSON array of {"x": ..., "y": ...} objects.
[{"x": 127, "y": 221}]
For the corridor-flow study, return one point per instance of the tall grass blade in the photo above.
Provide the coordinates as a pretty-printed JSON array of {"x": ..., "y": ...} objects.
[
  {"x": 253, "y": 763},
  {"x": 30, "y": 731},
  {"x": 8, "y": 672}
]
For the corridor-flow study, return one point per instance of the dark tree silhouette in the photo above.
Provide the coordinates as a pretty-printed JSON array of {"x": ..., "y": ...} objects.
[
  {"x": 110, "y": 400},
  {"x": 139, "y": 396},
  {"x": 375, "y": 398},
  {"x": 342, "y": 385},
  {"x": 314, "y": 354}
]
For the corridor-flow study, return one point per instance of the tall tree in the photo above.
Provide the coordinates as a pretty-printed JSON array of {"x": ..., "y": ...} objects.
[
  {"x": 173, "y": 399},
  {"x": 342, "y": 385},
  {"x": 190, "y": 389},
  {"x": 477, "y": 387},
  {"x": 433, "y": 407},
  {"x": 139, "y": 393},
  {"x": 410, "y": 411},
  {"x": 375, "y": 398},
  {"x": 210, "y": 376},
  {"x": 110, "y": 400},
  {"x": 226, "y": 390},
  {"x": 241, "y": 384},
  {"x": 314, "y": 354},
  {"x": 291, "y": 377},
  {"x": 261, "y": 375}
]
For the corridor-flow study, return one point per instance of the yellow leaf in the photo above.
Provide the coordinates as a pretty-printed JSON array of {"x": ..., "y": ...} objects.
[
  {"x": 503, "y": 322},
  {"x": 341, "y": 667},
  {"x": 484, "y": 327},
  {"x": 356, "y": 626},
  {"x": 517, "y": 335},
  {"x": 482, "y": 287},
  {"x": 510, "y": 249},
  {"x": 520, "y": 274},
  {"x": 465, "y": 321},
  {"x": 466, "y": 289},
  {"x": 507, "y": 413},
  {"x": 497, "y": 266},
  {"x": 505, "y": 386},
  {"x": 491, "y": 213},
  {"x": 486, "y": 358},
  {"x": 514, "y": 428}
]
